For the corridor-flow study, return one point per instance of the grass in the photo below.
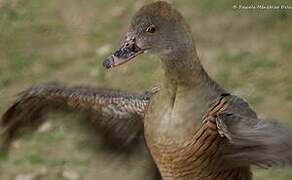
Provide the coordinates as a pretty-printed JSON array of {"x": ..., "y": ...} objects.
[{"x": 249, "y": 52}]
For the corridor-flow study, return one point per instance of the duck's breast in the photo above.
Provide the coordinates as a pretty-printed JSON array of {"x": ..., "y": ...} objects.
[{"x": 196, "y": 158}]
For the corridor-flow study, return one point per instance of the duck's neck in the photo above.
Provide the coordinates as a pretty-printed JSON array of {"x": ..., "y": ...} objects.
[
  {"x": 186, "y": 93},
  {"x": 182, "y": 69}
]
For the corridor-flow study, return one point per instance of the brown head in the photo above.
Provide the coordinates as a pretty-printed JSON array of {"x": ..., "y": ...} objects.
[{"x": 156, "y": 28}]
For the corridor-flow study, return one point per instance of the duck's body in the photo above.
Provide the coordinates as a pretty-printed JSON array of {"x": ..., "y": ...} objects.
[{"x": 183, "y": 147}]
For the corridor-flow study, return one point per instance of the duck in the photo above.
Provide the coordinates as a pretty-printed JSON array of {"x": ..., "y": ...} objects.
[{"x": 193, "y": 127}]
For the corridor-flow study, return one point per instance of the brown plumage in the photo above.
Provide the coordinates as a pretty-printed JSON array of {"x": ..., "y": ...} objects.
[
  {"x": 194, "y": 129},
  {"x": 199, "y": 154},
  {"x": 117, "y": 114}
]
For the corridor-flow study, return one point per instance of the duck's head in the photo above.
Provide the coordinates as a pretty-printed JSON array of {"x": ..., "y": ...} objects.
[{"x": 156, "y": 28}]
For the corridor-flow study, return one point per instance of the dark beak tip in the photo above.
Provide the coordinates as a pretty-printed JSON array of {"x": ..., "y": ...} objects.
[{"x": 108, "y": 63}]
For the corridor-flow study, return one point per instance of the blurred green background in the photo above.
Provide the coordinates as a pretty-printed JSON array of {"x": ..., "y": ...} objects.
[{"x": 247, "y": 51}]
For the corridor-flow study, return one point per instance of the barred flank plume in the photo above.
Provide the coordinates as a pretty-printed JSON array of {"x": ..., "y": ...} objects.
[{"x": 117, "y": 114}]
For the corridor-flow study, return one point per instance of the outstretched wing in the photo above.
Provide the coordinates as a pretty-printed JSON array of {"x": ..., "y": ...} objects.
[
  {"x": 253, "y": 141},
  {"x": 117, "y": 114}
]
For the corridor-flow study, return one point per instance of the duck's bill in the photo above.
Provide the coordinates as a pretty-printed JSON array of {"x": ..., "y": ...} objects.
[{"x": 127, "y": 52}]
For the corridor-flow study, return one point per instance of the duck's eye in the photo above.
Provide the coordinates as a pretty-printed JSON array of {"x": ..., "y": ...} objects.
[{"x": 151, "y": 29}]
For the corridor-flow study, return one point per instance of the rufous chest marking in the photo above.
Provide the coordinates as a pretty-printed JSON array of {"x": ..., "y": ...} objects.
[{"x": 198, "y": 156}]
